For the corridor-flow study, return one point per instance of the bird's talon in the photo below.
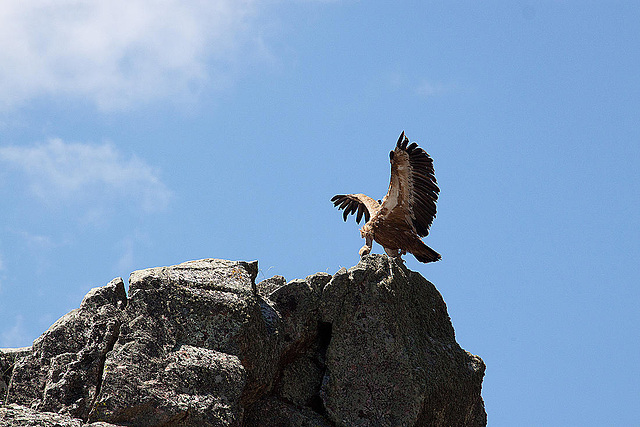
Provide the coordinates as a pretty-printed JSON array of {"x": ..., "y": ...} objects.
[{"x": 365, "y": 250}]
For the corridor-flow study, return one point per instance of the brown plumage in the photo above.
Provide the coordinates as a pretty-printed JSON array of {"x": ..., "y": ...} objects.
[{"x": 406, "y": 212}]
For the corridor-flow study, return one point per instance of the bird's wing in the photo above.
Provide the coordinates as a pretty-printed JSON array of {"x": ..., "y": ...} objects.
[
  {"x": 413, "y": 190},
  {"x": 352, "y": 203}
]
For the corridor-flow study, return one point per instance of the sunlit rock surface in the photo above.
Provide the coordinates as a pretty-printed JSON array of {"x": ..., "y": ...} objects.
[{"x": 201, "y": 344}]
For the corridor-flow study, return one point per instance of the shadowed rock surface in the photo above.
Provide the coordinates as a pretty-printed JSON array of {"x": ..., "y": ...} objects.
[
  {"x": 8, "y": 358},
  {"x": 200, "y": 344}
]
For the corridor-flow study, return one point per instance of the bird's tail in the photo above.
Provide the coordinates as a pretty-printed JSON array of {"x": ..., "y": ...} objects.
[{"x": 424, "y": 253}]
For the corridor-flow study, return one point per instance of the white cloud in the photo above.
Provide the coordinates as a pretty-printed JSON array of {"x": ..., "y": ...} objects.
[
  {"x": 60, "y": 172},
  {"x": 116, "y": 53}
]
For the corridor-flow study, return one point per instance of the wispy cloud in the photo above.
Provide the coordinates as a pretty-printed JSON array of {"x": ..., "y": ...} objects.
[
  {"x": 16, "y": 335},
  {"x": 36, "y": 242},
  {"x": 126, "y": 260},
  {"x": 59, "y": 172},
  {"x": 117, "y": 53},
  {"x": 429, "y": 89}
]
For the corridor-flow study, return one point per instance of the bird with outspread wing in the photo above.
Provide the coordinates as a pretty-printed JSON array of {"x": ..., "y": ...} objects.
[{"x": 406, "y": 212}]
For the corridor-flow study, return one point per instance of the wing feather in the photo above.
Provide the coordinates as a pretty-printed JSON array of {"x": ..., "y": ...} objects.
[
  {"x": 345, "y": 214},
  {"x": 361, "y": 211},
  {"x": 413, "y": 190},
  {"x": 359, "y": 204}
]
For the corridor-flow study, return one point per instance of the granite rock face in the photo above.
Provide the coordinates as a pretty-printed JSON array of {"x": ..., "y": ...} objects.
[
  {"x": 194, "y": 348},
  {"x": 14, "y": 415},
  {"x": 64, "y": 369},
  {"x": 8, "y": 358},
  {"x": 200, "y": 344},
  {"x": 393, "y": 359}
]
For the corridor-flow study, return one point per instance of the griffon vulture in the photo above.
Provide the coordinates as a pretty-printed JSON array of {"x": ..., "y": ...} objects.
[{"x": 406, "y": 212}]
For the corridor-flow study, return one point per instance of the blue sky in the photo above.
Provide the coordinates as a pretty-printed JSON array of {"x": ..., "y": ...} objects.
[{"x": 135, "y": 134}]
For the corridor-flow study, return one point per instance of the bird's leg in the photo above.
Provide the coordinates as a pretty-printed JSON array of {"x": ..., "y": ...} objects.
[
  {"x": 392, "y": 252},
  {"x": 366, "y": 249},
  {"x": 396, "y": 254}
]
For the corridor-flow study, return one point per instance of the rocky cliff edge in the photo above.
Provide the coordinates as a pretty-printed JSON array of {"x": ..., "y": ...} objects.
[{"x": 201, "y": 344}]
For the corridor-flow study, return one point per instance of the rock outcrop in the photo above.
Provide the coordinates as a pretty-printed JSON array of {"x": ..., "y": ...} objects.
[
  {"x": 201, "y": 344},
  {"x": 8, "y": 358}
]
